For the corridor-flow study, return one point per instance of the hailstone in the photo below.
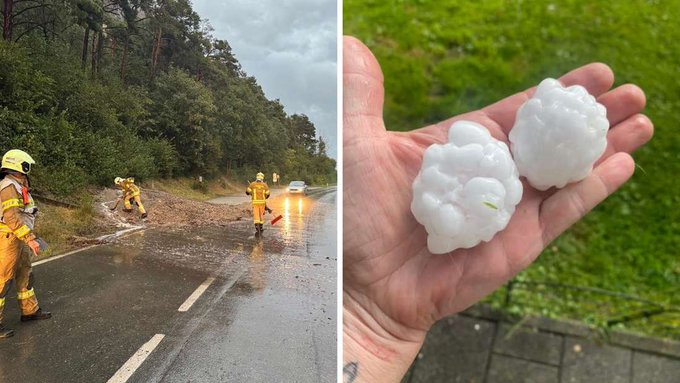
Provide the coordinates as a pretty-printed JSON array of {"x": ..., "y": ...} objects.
[
  {"x": 467, "y": 189},
  {"x": 558, "y": 135}
]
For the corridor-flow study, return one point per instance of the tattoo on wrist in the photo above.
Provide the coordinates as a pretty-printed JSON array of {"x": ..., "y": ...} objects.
[{"x": 350, "y": 372}]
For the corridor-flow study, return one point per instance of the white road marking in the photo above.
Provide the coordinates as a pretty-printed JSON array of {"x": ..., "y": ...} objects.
[
  {"x": 136, "y": 360},
  {"x": 62, "y": 255},
  {"x": 121, "y": 234},
  {"x": 195, "y": 295}
]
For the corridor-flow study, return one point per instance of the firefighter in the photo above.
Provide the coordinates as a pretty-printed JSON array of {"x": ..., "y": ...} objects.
[
  {"x": 17, "y": 240},
  {"x": 259, "y": 192},
  {"x": 130, "y": 193}
]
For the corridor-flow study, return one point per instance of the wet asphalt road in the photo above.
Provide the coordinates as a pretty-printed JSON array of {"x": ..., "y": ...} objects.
[{"x": 267, "y": 314}]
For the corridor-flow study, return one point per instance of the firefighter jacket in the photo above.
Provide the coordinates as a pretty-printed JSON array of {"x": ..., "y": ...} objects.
[
  {"x": 18, "y": 208},
  {"x": 259, "y": 192},
  {"x": 130, "y": 189}
]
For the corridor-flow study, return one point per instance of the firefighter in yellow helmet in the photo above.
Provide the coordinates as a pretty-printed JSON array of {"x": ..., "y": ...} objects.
[
  {"x": 259, "y": 192},
  {"x": 130, "y": 193},
  {"x": 17, "y": 239}
]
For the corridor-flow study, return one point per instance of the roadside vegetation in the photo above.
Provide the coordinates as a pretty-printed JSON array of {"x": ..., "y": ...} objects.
[
  {"x": 193, "y": 189},
  {"x": 66, "y": 228},
  {"x": 95, "y": 89},
  {"x": 444, "y": 58}
]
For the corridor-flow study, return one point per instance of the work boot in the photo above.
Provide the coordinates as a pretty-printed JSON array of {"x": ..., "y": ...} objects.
[
  {"x": 144, "y": 215},
  {"x": 38, "y": 315},
  {"x": 261, "y": 228},
  {"x": 5, "y": 332}
]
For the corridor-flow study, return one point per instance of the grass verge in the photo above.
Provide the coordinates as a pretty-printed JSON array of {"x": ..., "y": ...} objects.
[
  {"x": 192, "y": 189},
  {"x": 66, "y": 229}
]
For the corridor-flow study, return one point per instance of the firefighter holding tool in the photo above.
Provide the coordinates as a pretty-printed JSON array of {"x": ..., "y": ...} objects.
[
  {"x": 259, "y": 192},
  {"x": 131, "y": 192},
  {"x": 17, "y": 239}
]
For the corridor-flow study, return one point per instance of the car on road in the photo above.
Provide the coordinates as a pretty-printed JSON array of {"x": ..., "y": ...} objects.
[{"x": 297, "y": 187}]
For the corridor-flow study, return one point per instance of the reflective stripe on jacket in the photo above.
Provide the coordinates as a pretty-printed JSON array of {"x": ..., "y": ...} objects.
[
  {"x": 258, "y": 191},
  {"x": 18, "y": 208}
]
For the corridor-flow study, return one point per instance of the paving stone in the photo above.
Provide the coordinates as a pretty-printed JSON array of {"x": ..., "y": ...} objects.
[
  {"x": 588, "y": 362},
  {"x": 528, "y": 343},
  {"x": 648, "y": 368},
  {"x": 456, "y": 350},
  {"x": 644, "y": 343},
  {"x": 505, "y": 369}
]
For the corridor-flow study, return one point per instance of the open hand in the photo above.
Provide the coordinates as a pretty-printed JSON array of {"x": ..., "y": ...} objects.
[{"x": 394, "y": 289}]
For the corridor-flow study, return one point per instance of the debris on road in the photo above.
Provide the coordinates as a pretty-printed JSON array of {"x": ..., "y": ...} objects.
[{"x": 169, "y": 210}]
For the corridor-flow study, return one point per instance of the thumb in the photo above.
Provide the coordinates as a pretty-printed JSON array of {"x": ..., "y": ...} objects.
[{"x": 363, "y": 91}]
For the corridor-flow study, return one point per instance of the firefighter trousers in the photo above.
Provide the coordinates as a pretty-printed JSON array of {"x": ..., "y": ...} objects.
[
  {"x": 138, "y": 201},
  {"x": 15, "y": 264},
  {"x": 258, "y": 213}
]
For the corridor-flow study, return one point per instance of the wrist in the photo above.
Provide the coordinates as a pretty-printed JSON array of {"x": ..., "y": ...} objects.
[
  {"x": 29, "y": 237},
  {"x": 371, "y": 353}
]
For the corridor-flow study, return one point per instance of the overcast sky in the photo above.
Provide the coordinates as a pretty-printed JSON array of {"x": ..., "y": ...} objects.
[{"x": 289, "y": 46}]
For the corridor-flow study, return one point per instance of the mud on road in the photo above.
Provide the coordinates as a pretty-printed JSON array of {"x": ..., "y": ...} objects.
[{"x": 167, "y": 210}]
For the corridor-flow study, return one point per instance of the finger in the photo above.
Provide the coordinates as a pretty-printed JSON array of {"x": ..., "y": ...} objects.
[
  {"x": 628, "y": 136},
  {"x": 597, "y": 78},
  {"x": 623, "y": 102},
  {"x": 363, "y": 92},
  {"x": 564, "y": 208}
]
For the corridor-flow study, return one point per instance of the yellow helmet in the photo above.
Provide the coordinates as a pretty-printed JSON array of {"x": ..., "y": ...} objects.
[
  {"x": 131, "y": 180},
  {"x": 17, "y": 160},
  {"x": 117, "y": 180},
  {"x": 260, "y": 176}
]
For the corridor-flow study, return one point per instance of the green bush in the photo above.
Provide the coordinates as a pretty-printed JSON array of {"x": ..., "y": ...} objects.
[
  {"x": 89, "y": 112},
  {"x": 200, "y": 186},
  {"x": 165, "y": 157}
]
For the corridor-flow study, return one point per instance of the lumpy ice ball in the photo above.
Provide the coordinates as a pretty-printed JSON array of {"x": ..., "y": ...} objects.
[
  {"x": 558, "y": 135},
  {"x": 467, "y": 189}
]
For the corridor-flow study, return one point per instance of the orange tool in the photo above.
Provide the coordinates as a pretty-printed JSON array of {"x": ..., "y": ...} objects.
[{"x": 275, "y": 220}]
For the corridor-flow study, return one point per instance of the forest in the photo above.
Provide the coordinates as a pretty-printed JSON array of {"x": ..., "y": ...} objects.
[{"x": 94, "y": 89}]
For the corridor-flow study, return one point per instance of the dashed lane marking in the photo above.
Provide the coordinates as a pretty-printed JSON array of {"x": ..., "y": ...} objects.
[
  {"x": 195, "y": 295},
  {"x": 136, "y": 360}
]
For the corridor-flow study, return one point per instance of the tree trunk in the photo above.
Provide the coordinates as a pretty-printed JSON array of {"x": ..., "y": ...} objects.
[
  {"x": 155, "y": 51},
  {"x": 100, "y": 49},
  {"x": 45, "y": 29},
  {"x": 86, "y": 39},
  {"x": 7, "y": 20},
  {"x": 113, "y": 47},
  {"x": 123, "y": 61},
  {"x": 93, "y": 64}
]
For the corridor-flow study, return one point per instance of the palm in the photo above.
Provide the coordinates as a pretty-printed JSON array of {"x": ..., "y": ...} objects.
[{"x": 388, "y": 269}]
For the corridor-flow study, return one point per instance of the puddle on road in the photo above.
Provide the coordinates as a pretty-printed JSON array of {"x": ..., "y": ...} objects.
[{"x": 232, "y": 251}]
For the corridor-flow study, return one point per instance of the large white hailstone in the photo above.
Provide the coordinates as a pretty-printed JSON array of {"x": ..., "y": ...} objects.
[
  {"x": 467, "y": 189},
  {"x": 558, "y": 135}
]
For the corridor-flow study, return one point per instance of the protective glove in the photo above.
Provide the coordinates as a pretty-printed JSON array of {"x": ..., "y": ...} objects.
[{"x": 37, "y": 245}]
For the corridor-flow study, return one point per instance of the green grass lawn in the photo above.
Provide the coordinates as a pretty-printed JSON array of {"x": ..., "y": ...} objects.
[{"x": 442, "y": 58}]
